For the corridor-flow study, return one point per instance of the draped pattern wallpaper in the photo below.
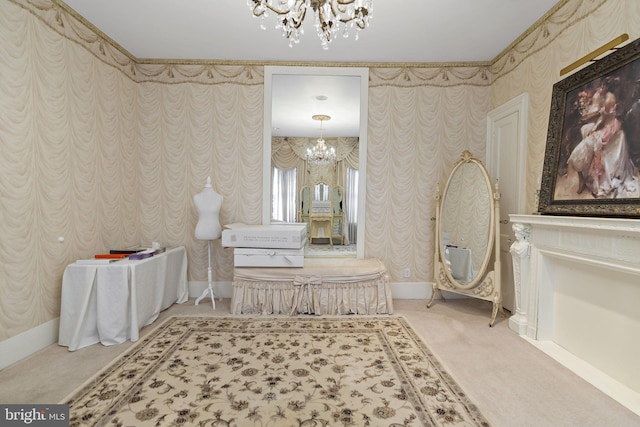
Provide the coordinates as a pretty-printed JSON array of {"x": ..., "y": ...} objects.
[
  {"x": 416, "y": 134},
  {"x": 533, "y": 63},
  {"x": 104, "y": 150},
  {"x": 290, "y": 152}
]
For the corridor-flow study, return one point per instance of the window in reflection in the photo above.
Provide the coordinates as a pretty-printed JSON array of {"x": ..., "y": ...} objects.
[
  {"x": 284, "y": 206},
  {"x": 296, "y": 182},
  {"x": 351, "y": 204}
]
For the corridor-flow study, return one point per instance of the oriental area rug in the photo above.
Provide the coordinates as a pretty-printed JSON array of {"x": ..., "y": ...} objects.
[{"x": 276, "y": 371}]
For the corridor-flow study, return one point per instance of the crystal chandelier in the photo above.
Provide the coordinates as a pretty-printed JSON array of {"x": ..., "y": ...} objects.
[
  {"x": 320, "y": 153},
  {"x": 331, "y": 16}
]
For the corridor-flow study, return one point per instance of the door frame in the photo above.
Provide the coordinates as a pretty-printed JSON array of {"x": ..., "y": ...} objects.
[
  {"x": 515, "y": 110},
  {"x": 519, "y": 105}
]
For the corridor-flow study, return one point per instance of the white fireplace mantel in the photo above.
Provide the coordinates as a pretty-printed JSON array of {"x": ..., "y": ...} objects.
[{"x": 577, "y": 292}]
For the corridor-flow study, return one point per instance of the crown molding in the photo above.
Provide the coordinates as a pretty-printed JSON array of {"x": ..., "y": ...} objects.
[{"x": 62, "y": 19}]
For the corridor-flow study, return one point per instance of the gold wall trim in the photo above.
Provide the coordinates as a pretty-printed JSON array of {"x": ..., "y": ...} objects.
[
  {"x": 93, "y": 28},
  {"x": 159, "y": 61},
  {"x": 531, "y": 30},
  {"x": 436, "y": 76},
  {"x": 64, "y": 20},
  {"x": 547, "y": 29},
  {"x": 204, "y": 73}
]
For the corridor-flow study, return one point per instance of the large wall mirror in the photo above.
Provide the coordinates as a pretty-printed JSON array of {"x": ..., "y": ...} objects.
[{"x": 292, "y": 97}]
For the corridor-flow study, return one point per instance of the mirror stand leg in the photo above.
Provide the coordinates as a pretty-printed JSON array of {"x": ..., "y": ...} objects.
[
  {"x": 496, "y": 306},
  {"x": 435, "y": 291}
]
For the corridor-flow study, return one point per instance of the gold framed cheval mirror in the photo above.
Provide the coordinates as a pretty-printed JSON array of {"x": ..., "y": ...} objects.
[{"x": 467, "y": 215}]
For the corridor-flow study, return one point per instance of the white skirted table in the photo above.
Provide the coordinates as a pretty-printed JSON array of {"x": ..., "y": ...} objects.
[
  {"x": 323, "y": 286},
  {"x": 110, "y": 303}
]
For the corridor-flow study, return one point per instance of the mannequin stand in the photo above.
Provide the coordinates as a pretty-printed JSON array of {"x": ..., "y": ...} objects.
[{"x": 209, "y": 291}]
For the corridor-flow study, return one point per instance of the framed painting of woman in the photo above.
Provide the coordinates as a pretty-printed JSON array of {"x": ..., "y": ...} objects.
[{"x": 592, "y": 156}]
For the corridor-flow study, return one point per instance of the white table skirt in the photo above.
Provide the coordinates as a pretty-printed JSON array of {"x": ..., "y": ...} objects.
[
  {"x": 461, "y": 264},
  {"x": 110, "y": 303},
  {"x": 323, "y": 286}
]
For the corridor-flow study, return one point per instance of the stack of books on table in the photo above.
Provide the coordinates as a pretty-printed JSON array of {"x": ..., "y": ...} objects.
[
  {"x": 143, "y": 253},
  {"x": 118, "y": 254},
  {"x": 101, "y": 259},
  {"x": 128, "y": 251},
  {"x": 274, "y": 245},
  {"x": 146, "y": 253}
]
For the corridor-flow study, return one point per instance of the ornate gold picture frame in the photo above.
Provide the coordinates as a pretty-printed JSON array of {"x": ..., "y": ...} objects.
[{"x": 592, "y": 157}]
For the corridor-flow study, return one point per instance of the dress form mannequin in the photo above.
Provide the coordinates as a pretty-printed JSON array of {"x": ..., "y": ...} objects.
[{"x": 208, "y": 204}]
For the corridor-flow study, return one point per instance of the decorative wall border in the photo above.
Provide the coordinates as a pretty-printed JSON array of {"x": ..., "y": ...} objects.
[
  {"x": 65, "y": 21},
  {"x": 544, "y": 31}
]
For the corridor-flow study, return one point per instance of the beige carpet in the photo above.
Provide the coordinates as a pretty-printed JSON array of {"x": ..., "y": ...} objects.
[
  {"x": 303, "y": 371},
  {"x": 514, "y": 383}
]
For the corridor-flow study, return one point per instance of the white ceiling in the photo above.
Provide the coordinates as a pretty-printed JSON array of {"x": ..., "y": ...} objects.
[
  {"x": 296, "y": 98},
  {"x": 400, "y": 31}
]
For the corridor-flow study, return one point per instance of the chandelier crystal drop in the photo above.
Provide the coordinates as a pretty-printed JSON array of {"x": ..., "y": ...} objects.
[
  {"x": 331, "y": 17},
  {"x": 320, "y": 153}
]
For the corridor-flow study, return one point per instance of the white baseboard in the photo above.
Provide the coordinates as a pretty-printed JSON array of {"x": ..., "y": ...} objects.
[
  {"x": 418, "y": 290},
  {"x": 411, "y": 290},
  {"x": 28, "y": 342},
  {"x": 220, "y": 289},
  {"x": 608, "y": 385}
]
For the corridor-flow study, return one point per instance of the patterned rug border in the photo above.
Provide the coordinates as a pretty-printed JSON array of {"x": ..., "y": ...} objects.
[{"x": 435, "y": 362}]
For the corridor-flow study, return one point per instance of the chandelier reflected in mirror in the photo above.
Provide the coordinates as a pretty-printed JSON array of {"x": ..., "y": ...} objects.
[
  {"x": 331, "y": 17},
  {"x": 320, "y": 153}
]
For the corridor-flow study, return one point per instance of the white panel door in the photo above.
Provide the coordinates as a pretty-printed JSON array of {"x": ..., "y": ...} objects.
[{"x": 506, "y": 162}]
